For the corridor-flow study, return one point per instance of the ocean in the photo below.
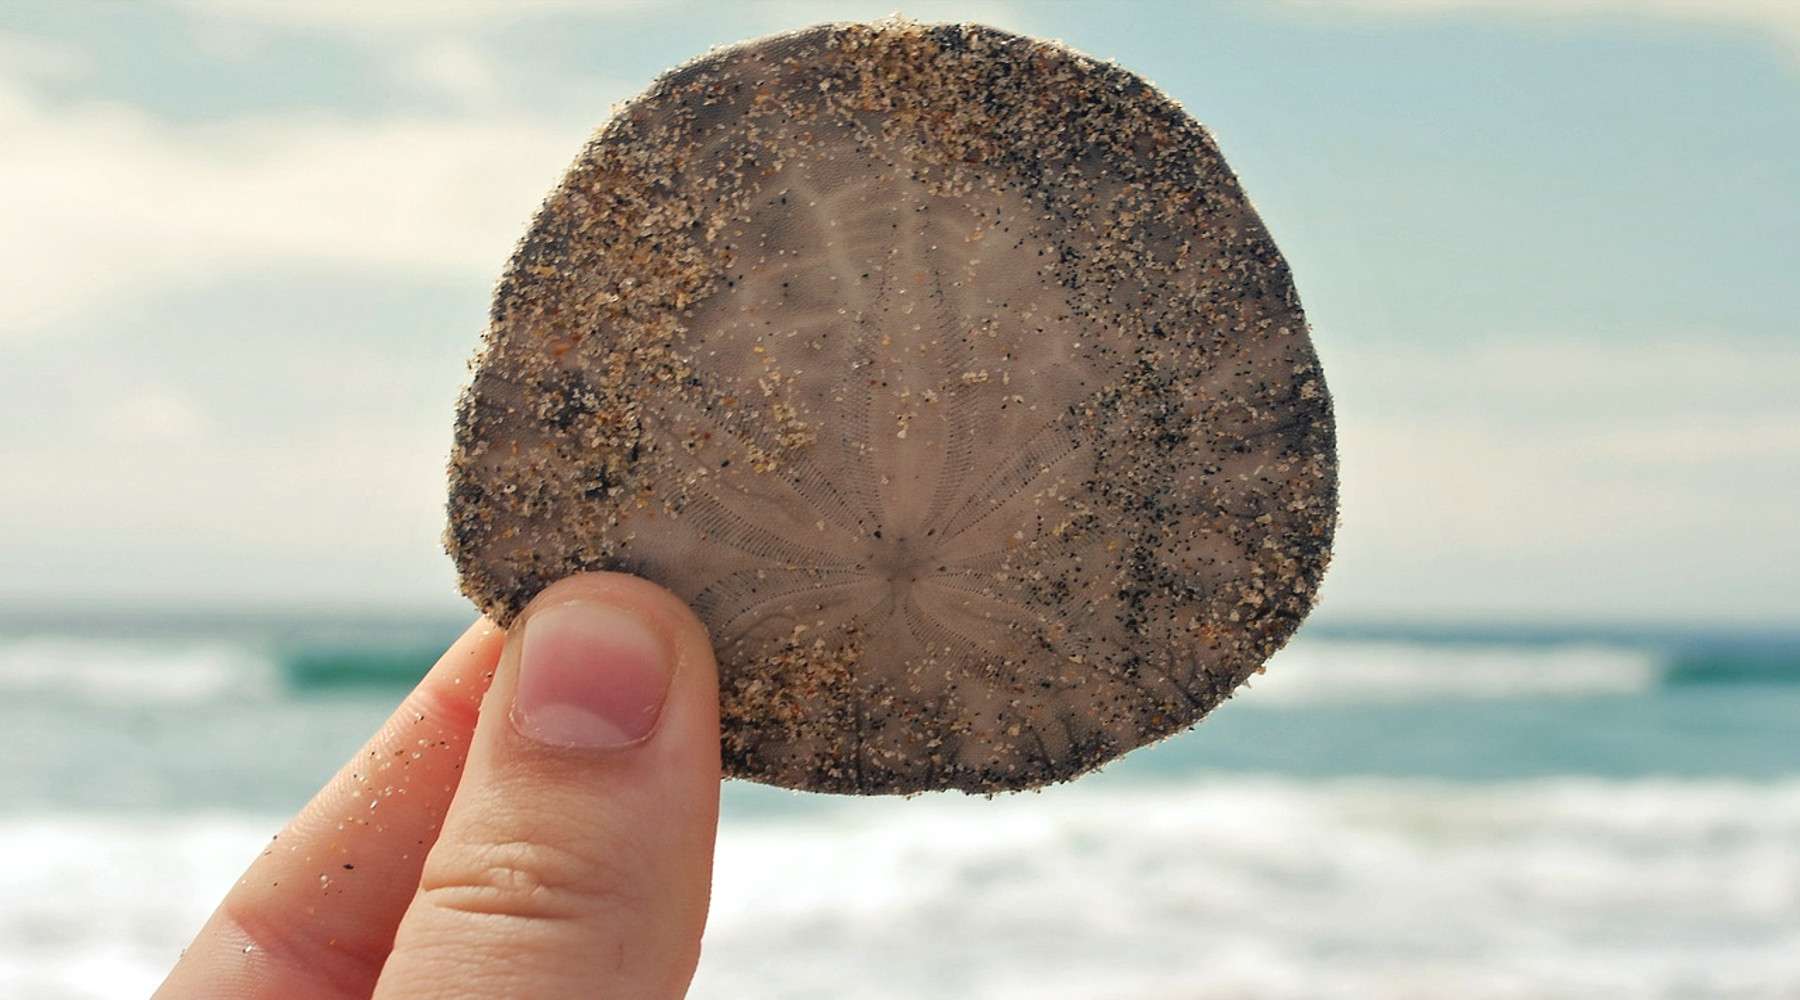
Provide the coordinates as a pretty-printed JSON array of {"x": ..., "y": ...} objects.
[{"x": 1388, "y": 812}]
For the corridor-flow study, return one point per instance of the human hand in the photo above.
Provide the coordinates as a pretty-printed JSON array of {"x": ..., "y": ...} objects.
[{"x": 552, "y": 838}]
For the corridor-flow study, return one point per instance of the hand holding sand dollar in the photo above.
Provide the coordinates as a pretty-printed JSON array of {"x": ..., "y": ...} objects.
[{"x": 948, "y": 374}]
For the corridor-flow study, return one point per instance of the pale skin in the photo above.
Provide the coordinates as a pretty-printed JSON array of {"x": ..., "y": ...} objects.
[{"x": 493, "y": 841}]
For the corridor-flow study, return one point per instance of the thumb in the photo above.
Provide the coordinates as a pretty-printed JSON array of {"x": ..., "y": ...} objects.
[{"x": 576, "y": 857}]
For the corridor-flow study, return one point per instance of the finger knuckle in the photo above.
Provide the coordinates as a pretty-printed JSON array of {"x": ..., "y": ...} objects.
[
  {"x": 303, "y": 951},
  {"x": 526, "y": 880}
]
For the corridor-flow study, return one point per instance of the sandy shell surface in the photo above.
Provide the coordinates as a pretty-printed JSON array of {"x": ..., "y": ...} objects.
[{"x": 949, "y": 375}]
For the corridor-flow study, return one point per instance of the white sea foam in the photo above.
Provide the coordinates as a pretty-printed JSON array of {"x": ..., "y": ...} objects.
[
  {"x": 1213, "y": 887},
  {"x": 1310, "y": 670},
  {"x": 1330, "y": 670},
  {"x": 1240, "y": 888},
  {"x": 130, "y": 670}
]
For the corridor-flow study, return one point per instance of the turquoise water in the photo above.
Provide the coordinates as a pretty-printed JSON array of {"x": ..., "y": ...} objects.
[
  {"x": 256, "y": 713},
  {"x": 1389, "y": 811}
]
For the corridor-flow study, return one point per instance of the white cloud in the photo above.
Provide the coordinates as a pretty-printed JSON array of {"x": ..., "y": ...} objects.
[
  {"x": 788, "y": 15},
  {"x": 41, "y": 58},
  {"x": 153, "y": 415},
  {"x": 398, "y": 16},
  {"x": 414, "y": 17},
  {"x": 1777, "y": 18},
  {"x": 335, "y": 515},
  {"x": 451, "y": 68},
  {"x": 104, "y": 200},
  {"x": 1655, "y": 474}
]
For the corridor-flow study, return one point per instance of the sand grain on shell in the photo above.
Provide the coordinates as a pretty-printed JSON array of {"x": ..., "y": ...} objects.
[{"x": 947, "y": 373}]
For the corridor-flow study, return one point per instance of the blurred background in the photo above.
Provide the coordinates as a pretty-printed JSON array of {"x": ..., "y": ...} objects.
[{"x": 1541, "y": 739}]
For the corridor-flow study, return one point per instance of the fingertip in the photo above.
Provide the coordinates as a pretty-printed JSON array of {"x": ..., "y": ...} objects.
[
  {"x": 691, "y": 712},
  {"x": 677, "y": 622},
  {"x": 453, "y": 688}
]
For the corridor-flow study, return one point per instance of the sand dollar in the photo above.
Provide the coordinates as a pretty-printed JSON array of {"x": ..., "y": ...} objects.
[{"x": 948, "y": 374}]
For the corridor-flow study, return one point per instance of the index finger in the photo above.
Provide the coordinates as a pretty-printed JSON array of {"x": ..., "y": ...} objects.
[{"x": 315, "y": 914}]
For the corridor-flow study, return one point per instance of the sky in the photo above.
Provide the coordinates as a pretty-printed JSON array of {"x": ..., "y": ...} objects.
[{"x": 1547, "y": 248}]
